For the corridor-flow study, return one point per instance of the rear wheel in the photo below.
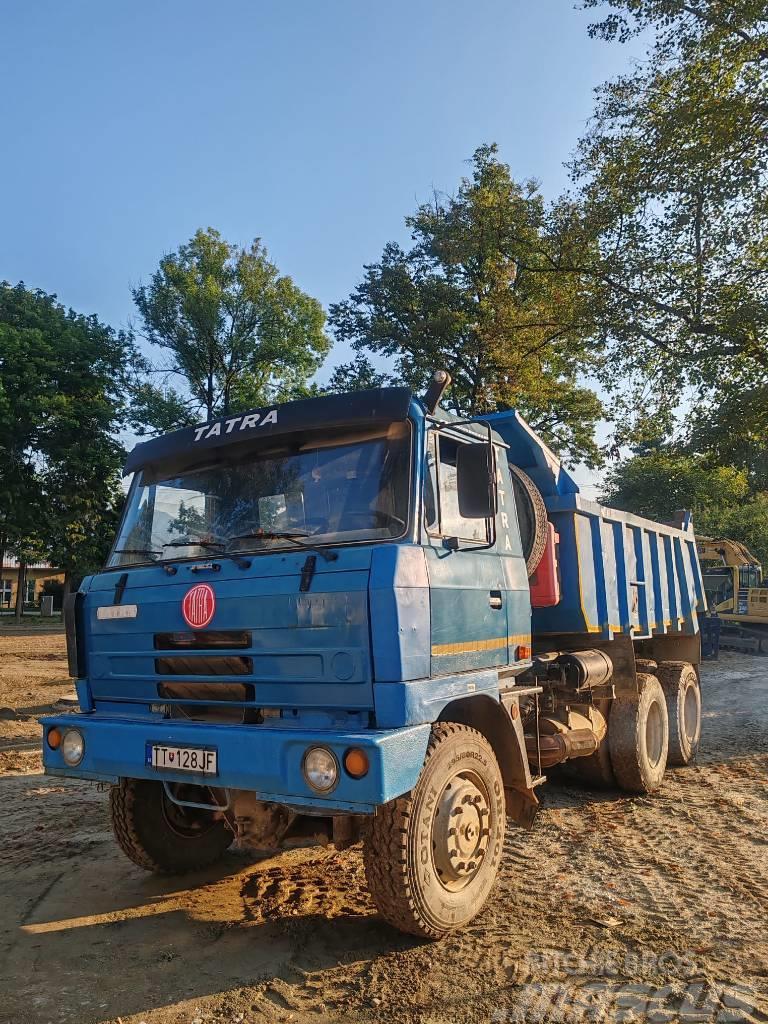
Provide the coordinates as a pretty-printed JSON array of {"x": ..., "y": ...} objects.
[
  {"x": 594, "y": 771},
  {"x": 160, "y": 836},
  {"x": 638, "y": 737},
  {"x": 432, "y": 856},
  {"x": 683, "y": 695}
]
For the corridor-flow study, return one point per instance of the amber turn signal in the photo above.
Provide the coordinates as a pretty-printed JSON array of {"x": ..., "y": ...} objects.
[
  {"x": 54, "y": 739},
  {"x": 356, "y": 763},
  {"x": 523, "y": 652}
]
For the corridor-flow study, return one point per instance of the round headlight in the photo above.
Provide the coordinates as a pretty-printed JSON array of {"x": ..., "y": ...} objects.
[
  {"x": 321, "y": 769},
  {"x": 72, "y": 747}
]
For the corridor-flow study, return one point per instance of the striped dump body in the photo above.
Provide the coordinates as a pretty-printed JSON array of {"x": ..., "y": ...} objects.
[{"x": 620, "y": 574}]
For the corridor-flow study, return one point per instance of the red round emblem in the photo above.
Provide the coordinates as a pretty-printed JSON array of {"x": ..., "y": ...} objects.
[{"x": 198, "y": 606}]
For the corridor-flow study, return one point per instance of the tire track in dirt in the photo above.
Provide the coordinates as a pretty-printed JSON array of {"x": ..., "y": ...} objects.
[{"x": 614, "y": 905}]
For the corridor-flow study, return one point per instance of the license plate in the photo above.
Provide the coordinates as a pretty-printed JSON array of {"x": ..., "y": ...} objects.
[{"x": 200, "y": 760}]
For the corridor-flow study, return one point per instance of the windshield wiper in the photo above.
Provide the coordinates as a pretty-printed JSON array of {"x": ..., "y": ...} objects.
[
  {"x": 295, "y": 536},
  {"x": 136, "y": 551},
  {"x": 216, "y": 545},
  {"x": 188, "y": 542}
]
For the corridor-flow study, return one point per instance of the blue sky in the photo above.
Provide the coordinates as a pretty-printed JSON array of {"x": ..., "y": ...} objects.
[{"x": 314, "y": 125}]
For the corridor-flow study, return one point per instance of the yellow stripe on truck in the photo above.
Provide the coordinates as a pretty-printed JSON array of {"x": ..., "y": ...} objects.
[{"x": 470, "y": 646}]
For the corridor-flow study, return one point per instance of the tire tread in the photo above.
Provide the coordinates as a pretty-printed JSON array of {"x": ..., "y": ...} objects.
[
  {"x": 385, "y": 851},
  {"x": 125, "y": 814},
  {"x": 624, "y": 739},
  {"x": 671, "y": 675}
]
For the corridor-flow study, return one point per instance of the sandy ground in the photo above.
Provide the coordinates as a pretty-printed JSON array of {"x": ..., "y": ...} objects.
[{"x": 611, "y": 909}]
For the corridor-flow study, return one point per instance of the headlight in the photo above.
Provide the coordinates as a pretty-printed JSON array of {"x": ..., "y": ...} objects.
[
  {"x": 72, "y": 747},
  {"x": 321, "y": 769}
]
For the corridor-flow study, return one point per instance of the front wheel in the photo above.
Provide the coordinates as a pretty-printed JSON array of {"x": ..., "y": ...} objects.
[
  {"x": 431, "y": 856},
  {"x": 161, "y": 836}
]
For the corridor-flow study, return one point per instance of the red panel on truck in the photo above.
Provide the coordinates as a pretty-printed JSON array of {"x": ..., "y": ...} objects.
[{"x": 545, "y": 582}]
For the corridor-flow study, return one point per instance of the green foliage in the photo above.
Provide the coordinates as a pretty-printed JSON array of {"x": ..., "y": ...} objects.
[
  {"x": 237, "y": 334},
  {"x": 748, "y": 523},
  {"x": 485, "y": 293},
  {"x": 734, "y": 432},
  {"x": 359, "y": 375},
  {"x": 657, "y": 484},
  {"x": 681, "y": 25},
  {"x": 63, "y": 381},
  {"x": 673, "y": 177}
]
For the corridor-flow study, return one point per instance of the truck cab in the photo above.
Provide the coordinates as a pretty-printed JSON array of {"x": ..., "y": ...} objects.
[{"x": 315, "y": 625}]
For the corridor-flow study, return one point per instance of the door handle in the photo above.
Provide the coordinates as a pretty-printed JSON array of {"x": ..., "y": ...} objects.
[{"x": 494, "y": 599}]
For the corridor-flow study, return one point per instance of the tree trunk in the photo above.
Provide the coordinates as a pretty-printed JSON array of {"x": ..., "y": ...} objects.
[
  {"x": 2, "y": 567},
  {"x": 209, "y": 388},
  {"x": 67, "y": 588},
  {"x": 20, "y": 589}
]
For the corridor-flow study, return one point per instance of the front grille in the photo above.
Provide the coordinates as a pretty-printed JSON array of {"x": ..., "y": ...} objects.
[
  {"x": 225, "y": 702},
  {"x": 216, "y": 665},
  {"x": 237, "y": 693},
  {"x": 203, "y": 640},
  {"x": 222, "y": 703}
]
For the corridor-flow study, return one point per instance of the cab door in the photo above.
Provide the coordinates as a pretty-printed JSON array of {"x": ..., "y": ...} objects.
[{"x": 466, "y": 578}]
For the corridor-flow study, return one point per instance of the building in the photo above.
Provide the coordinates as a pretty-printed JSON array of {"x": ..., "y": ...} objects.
[{"x": 36, "y": 576}]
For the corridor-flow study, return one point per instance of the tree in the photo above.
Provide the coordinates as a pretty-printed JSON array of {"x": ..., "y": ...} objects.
[
  {"x": 476, "y": 295},
  {"x": 237, "y": 333},
  {"x": 359, "y": 375},
  {"x": 733, "y": 432},
  {"x": 673, "y": 175},
  {"x": 658, "y": 483},
  {"x": 64, "y": 379}
]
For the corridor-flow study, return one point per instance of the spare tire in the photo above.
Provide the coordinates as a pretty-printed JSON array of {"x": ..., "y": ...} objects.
[{"x": 531, "y": 516}]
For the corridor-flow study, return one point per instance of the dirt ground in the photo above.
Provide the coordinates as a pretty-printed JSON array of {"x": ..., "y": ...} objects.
[{"x": 610, "y": 909}]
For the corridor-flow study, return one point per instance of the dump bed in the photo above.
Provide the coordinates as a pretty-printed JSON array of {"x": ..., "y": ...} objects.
[{"x": 620, "y": 574}]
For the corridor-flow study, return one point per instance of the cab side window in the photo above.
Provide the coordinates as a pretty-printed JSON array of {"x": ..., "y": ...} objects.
[{"x": 441, "y": 500}]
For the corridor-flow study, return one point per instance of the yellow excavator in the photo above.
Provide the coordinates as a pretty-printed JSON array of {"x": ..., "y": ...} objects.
[{"x": 734, "y": 588}]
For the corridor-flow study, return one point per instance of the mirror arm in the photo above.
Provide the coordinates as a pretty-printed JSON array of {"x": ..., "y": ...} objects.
[{"x": 494, "y": 490}]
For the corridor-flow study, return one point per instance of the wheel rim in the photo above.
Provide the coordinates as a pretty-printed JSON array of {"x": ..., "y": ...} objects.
[
  {"x": 461, "y": 830},
  {"x": 654, "y": 734},
  {"x": 690, "y": 714},
  {"x": 187, "y": 822}
]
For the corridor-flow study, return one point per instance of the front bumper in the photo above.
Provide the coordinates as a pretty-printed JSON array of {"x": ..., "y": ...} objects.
[{"x": 263, "y": 760}]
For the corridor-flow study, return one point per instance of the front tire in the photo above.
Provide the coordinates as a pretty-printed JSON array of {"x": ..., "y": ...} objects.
[
  {"x": 432, "y": 856},
  {"x": 638, "y": 737},
  {"x": 683, "y": 694},
  {"x": 161, "y": 837}
]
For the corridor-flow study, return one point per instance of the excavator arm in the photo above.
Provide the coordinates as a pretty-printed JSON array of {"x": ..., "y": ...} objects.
[{"x": 726, "y": 552}]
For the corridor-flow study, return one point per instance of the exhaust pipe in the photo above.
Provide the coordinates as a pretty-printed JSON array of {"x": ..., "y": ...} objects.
[{"x": 555, "y": 747}]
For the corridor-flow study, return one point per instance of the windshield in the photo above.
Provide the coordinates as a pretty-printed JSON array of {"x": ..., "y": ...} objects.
[
  {"x": 345, "y": 491},
  {"x": 718, "y": 584}
]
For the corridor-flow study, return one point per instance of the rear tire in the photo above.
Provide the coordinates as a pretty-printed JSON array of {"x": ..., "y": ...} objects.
[
  {"x": 595, "y": 771},
  {"x": 682, "y": 691},
  {"x": 638, "y": 737},
  {"x": 161, "y": 837},
  {"x": 431, "y": 856}
]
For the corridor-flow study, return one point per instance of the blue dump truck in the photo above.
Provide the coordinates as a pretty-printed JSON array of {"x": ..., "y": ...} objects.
[{"x": 360, "y": 617}]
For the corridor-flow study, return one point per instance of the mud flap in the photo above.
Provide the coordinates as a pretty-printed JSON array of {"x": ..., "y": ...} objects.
[{"x": 522, "y": 806}]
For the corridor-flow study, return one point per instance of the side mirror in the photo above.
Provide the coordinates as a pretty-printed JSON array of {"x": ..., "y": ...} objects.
[{"x": 475, "y": 481}]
